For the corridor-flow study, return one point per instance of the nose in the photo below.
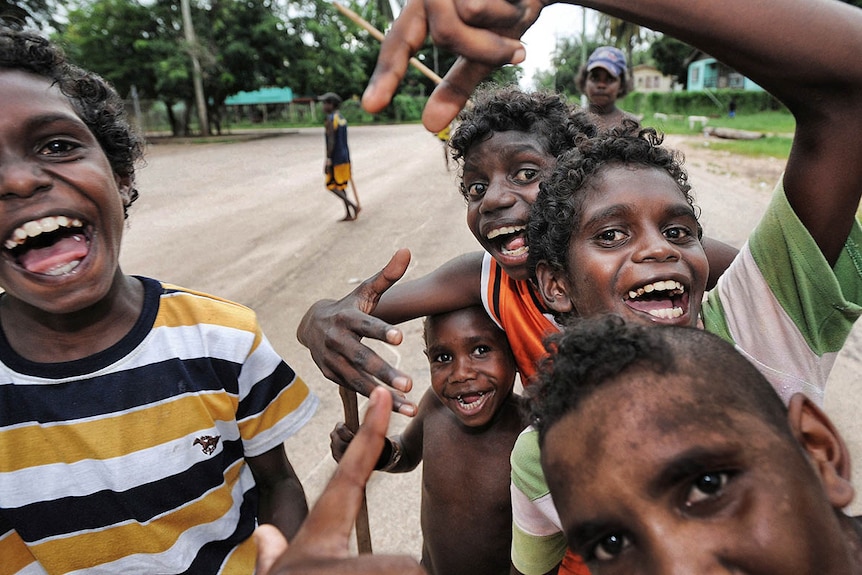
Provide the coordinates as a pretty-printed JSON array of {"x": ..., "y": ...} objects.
[
  {"x": 21, "y": 178},
  {"x": 655, "y": 247},
  {"x": 497, "y": 196},
  {"x": 462, "y": 369},
  {"x": 676, "y": 549}
]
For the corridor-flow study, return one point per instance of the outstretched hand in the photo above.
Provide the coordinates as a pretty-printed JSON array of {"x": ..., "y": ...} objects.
[
  {"x": 321, "y": 545},
  {"x": 332, "y": 331},
  {"x": 483, "y": 32}
]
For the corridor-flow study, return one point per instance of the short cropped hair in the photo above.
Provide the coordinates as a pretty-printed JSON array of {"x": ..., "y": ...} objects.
[
  {"x": 557, "y": 210},
  {"x": 557, "y": 123},
  {"x": 588, "y": 353},
  {"x": 93, "y": 98}
]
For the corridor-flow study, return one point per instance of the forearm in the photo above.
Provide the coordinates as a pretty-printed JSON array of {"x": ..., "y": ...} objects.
[
  {"x": 284, "y": 505},
  {"x": 752, "y": 37}
]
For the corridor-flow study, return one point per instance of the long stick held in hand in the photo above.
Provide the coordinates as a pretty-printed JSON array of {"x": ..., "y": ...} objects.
[
  {"x": 428, "y": 72},
  {"x": 351, "y": 419}
]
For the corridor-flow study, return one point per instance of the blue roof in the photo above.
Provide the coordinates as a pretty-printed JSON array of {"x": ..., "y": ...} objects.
[{"x": 262, "y": 96}]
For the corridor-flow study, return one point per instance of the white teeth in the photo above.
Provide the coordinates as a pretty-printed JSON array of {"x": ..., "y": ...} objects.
[
  {"x": 34, "y": 228},
  {"x": 516, "y": 252},
  {"x": 667, "y": 285},
  {"x": 63, "y": 269},
  {"x": 504, "y": 231},
  {"x": 666, "y": 313}
]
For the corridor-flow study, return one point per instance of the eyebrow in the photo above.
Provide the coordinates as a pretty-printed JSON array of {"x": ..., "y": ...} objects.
[
  {"x": 619, "y": 210},
  {"x": 688, "y": 464},
  {"x": 53, "y": 118}
]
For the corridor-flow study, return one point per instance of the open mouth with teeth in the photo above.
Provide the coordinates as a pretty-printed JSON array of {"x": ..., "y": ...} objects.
[
  {"x": 469, "y": 403},
  {"x": 511, "y": 241},
  {"x": 53, "y": 245},
  {"x": 662, "y": 299}
]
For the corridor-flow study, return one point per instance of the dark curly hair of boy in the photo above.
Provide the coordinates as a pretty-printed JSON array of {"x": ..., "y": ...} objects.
[
  {"x": 495, "y": 109},
  {"x": 556, "y": 213},
  {"x": 589, "y": 353},
  {"x": 94, "y": 99}
]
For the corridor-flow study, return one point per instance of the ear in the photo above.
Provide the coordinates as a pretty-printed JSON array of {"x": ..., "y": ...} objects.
[
  {"x": 553, "y": 287},
  {"x": 124, "y": 185},
  {"x": 825, "y": 448}
]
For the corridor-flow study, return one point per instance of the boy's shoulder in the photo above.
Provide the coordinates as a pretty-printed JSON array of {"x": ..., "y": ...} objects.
[{"x": 183, "y": 306}]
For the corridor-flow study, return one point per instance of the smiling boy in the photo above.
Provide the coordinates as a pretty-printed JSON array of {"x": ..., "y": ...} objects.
[
  {"x": 141, "y": 424},
  {"x": 681, "y": 475},
  {"x": 463, "y": 432}
]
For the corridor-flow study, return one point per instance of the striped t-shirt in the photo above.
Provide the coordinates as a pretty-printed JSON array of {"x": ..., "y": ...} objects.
[{"x": 133, "y": 460}]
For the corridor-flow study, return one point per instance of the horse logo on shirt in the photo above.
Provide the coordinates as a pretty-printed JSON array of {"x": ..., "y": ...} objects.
[{"x": 208, "y": 443}]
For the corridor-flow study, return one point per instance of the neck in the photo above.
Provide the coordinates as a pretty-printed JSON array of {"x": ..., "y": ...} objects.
[{"x": 46, "y": 337}]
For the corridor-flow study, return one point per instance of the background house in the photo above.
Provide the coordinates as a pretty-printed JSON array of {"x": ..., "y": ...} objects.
[
  {"x": 649, "y": 79},
  {"x": 707, "y": 73}
]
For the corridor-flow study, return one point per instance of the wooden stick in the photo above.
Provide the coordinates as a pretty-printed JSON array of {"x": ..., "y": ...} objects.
[
  {"x": 428, "y": 72},
  {"x": 351, "y": 419},
  {"x": 355, "y": 193}
]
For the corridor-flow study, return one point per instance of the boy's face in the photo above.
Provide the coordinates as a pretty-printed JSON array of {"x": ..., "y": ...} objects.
[
  {"x": 602, "y": 88},
  {"x": 635, "y": 252},
  {"x": 501, "y": 181},
  {"x": 61, "y": 205},
  {"x": 472, "y": 370},
  {"x": 665, "y": 482}
]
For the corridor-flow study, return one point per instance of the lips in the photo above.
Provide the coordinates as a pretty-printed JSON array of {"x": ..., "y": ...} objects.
[
  {"x": 663, "y": 299},
  {"x": 511, "y": 241},
  {"x": 472, "y": 402},
  {"x": 52, "y": 245}
]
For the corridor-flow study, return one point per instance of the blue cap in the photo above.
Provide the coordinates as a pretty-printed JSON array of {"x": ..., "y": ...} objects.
[{"x": 611, "y": 59}]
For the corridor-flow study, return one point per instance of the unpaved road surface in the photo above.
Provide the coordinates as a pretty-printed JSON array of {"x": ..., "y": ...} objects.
[{"x": 251, "y": 221}]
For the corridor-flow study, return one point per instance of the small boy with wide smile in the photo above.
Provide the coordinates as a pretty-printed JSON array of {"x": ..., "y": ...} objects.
[{"x": 463, "y": 435}]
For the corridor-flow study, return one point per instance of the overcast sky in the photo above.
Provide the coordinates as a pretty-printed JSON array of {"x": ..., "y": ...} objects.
[{"x": 556, "y": 21}]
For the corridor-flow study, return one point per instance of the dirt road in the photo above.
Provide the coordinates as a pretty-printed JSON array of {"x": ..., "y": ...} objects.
[{"x": 251, "y": 221}]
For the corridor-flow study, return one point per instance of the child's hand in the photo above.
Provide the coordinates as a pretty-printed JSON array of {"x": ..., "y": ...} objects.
[
  {"x": 483, "y": 32},
  {"x": 333, "y": 330},
  {"x": 321, "y": 545},
  {"x": 339, "y": 439}
]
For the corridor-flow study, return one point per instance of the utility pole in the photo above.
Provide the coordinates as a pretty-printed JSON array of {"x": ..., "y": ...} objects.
[{"x": 191, "y": 40}]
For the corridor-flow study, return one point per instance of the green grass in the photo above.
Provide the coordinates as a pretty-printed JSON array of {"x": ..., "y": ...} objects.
[{"x": 778, "y": 127}]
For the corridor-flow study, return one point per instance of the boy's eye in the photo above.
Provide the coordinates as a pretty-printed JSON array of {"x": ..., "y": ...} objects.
[
  {"x": 705, "y": 487},
  {"x": 677, "y": 233},
  {"x": 475, "y": 190},
  {"x": 443, "y": 358},
  {"x": 481, "y": 350},
  {"x": 610, "y": 236},
  {"x": 526, "y": 175},
  {"x": 58, "y": 147},
  {"x": 610, "y": 547}
]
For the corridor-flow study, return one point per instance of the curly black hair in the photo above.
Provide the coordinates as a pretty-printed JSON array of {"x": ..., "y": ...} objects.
[
  {"x": 588, "y": 353},
  {"x": 556, "y": 213},
  {"x": 501, "y": 109},
  {"x": 93, "y": 98}
]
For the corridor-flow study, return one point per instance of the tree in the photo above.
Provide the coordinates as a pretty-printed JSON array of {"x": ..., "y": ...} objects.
[
  {"x": 30, "y": 13},
  {"x": 670, "y": 56}
]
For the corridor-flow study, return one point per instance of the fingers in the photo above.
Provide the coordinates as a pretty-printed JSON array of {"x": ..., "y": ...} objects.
[
  {"x": 370, "y": 290},
  {"x": 450, "y": 97},
  {"x": 326, "y": 530},
  {"x": 270, "y": 545},
  {"x": 339, "y": 439},
  {"x": 404, "y": 39}
]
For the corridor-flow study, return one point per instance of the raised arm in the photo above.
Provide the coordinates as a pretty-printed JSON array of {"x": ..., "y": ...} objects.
[
  {"x": 333, "y": 330},
  {"x": 805, "y": 52}
]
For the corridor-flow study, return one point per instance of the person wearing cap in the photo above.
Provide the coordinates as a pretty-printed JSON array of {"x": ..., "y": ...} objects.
[
  {"x": 337, "y": 166},
  {"x": 603, "y": 80}
]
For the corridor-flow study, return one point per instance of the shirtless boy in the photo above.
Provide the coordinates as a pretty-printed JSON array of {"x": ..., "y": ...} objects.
[{"x": 463, "y": 432}]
